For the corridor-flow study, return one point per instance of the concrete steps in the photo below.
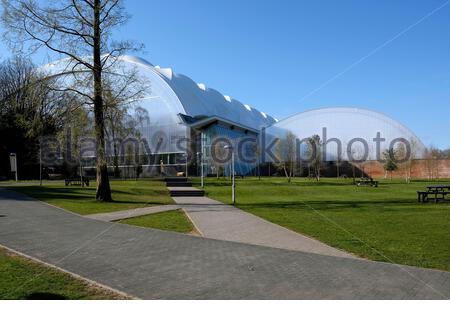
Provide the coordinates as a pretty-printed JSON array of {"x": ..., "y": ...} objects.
[
  {"x": 182, "y": 187},
  {"x": 178, "y": 184},
  {"x": 187, "y": 193}
]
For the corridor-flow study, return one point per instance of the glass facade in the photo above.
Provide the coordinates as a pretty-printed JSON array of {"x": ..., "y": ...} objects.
[{"x": 217, "y": 157}]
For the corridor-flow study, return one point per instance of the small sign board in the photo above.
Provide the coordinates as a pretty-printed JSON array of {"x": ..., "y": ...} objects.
[{"x": 13, "y": 162}]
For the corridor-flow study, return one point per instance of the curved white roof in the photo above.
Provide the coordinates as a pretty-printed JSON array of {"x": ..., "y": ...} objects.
[
  {"x": 183, "y": 95},
  {"x": 198, "y": 99},
  {"x": 346, "y": 124}
]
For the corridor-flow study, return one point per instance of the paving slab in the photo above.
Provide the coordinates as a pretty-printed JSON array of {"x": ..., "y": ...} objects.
[
  {"x": 138, "y": 212},
  {"x": 152, "y": 264},
  {"x": 216, "y": 220}
]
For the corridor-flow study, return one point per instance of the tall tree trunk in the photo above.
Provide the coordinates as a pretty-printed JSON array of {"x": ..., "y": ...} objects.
[
  {"x": 103, "y": 188},
  {"x": 116, "y": 152},
  {"x": 116, "y": 161},
  {"x": 286, "y": 173},
  {"x": 337, "y": 169},
  {"x": 354, "y": 173}
]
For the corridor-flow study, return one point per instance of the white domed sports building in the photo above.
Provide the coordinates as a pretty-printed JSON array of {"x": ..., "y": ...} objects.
[
  {"x": 349, "y": 133},
  {"x": 180, "y": 109},
  {"x": 185, "y": 117}
]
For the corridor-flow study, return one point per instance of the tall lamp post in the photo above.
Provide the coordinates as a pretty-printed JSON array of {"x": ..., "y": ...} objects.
[
  {"x": 187, "y": 164},
  {"x": 233, "y": 175},
  {"x": 200, "y": 157}
]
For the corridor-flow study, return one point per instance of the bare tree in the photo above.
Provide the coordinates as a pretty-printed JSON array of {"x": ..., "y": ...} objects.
[
  {"x": 403, "y": 166},
  {"x": 219, "y": 155},
  {"x": 390, "y": 158},
  {"x": 428, "y": 157},
  {"x": 436, "y": 154},
  {"x": 286, "y": 154},
  {"x": 315, "y": 155},
  {"x": 142, "y": 119},
  {"x": 432, "y": 157},
  {"x": 26, "y": 92},
  {"x": 81, "y": 31},
  {"x": 116, "y": 130},
  {"x": 407, "y": 158},
  {"x": 28, "y": 110},
  {"x": 291, "y": 155},
  {"x": 119, "y": 97},
  {"x": 357, "y": 159},
  {"x": 338, "y": 166},
  {"x": 76, "y": 128}
]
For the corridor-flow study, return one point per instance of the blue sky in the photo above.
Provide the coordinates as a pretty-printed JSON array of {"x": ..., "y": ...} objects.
[{"x": 273, "y": 54}]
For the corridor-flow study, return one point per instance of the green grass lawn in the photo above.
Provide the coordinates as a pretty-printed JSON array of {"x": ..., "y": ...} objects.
[
  {"x": 126, "y": 195},
  {"x": 175, "y": 220},
  {"x": 25, "y": 279},
  {"x": 383, "y": 224}
]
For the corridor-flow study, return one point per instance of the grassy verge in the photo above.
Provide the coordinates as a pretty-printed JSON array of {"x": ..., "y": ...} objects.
[
  {"x": 25, "y": 279},
  {"x": 384, "y": 224},
  {"x": 126, "y": 195},
  {"x": 175, "y": 220}
]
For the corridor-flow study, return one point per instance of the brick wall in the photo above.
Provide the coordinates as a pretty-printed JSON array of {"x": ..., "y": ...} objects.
[{"x": 420, "y": 169}]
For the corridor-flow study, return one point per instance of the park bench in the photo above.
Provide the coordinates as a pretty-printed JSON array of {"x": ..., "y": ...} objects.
[
  {"x": 77, "y": 182},
  {"x": 438, "y": 193},
  {"x": 367, "y": 182}
]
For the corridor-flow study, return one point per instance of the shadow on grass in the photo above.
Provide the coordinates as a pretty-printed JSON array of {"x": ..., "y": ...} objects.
[
  {"x": 294, "y": 183},
  {"x": 86, "y": 192},
  {"x": 44, "y": 194},
  {"x": 334, "y": 204},
  {"x": 69, "y": 194},
  {"x": 45, "y": 296}
]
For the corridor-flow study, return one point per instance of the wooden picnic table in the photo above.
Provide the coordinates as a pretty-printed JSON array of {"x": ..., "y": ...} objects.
[
  {"x": 367, "y": 182},
  {"x": 77, "y": 182},
  {"x": 439, "y": 192}
]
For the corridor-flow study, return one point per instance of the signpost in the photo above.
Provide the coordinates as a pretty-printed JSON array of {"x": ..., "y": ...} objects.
[
  {"x": 187, "y": 164},
  {"x": 13, "y": 163}
]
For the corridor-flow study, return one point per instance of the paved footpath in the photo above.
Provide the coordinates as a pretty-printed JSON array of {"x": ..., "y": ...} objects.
[
  {"x": 132, "y": 213},
  {"x": 216, "y": 220},
  {"x": 153, "y": 264}
]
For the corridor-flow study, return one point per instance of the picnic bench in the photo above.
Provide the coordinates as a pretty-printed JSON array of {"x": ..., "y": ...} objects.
[
  {"x": 77, "y": 182},
  {"x": 367, "y": 183},
  {"x": 436, "y": 192}
]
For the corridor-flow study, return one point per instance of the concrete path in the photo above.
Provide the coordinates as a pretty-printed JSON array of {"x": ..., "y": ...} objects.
[
  {"x": 216, "y": 220},
  {"x": 126, "y": 214},
  {"x": 153, "y": 264}
]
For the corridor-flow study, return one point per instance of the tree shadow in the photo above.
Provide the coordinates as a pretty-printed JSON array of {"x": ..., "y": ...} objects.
[
  {"x": 329, "y": 205},
  {"x": 45, "y": 296}
]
